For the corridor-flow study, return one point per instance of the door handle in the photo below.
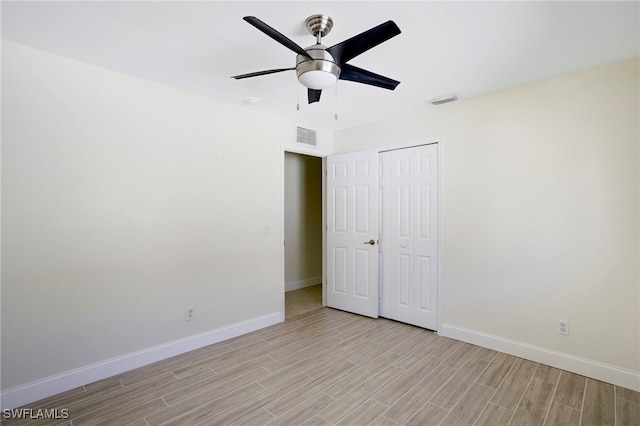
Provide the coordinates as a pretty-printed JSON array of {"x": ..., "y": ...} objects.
[{"x": 371, "y": 242}]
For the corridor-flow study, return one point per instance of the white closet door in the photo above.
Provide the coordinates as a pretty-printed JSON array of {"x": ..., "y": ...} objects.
[
  {"x": 411, "y": 246},
  {"x": 352, "y": 232}
]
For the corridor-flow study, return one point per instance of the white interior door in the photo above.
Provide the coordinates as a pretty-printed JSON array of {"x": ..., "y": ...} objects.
[
  {"x": 410, "y": 240},
  {"x": 352, "y": 232}
]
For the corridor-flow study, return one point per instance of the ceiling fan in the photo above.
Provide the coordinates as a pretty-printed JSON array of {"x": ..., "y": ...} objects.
[{"x": 319, "y": 67}]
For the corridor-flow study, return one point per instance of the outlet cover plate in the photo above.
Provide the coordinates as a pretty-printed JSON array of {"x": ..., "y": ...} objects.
[{"x": 563, "y": 327}]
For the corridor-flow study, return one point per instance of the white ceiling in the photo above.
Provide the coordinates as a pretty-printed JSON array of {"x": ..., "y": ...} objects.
[{"x": 473, "y": 48}]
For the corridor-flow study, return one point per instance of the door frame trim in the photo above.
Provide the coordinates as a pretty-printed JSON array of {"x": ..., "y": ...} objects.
[{"x": 323, "y": 155}]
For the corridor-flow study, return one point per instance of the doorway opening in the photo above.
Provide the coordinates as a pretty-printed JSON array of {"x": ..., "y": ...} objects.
[{"x": 303, "y": 233}]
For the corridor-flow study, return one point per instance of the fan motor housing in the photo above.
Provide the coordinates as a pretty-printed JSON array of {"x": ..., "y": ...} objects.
[{"x": 321, "y": 71}]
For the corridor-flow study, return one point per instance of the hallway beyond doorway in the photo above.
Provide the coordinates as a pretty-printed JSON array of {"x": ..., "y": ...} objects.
[{"x": 302, "y": 300}]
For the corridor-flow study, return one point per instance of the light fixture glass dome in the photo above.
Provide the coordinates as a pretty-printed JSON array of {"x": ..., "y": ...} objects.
[{"x": 318, "y": 79}]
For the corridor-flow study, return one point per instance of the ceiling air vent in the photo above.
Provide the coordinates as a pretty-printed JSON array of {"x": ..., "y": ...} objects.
[
  {"x": 307, "y": 137},
  {"x": 444, "y": 99}
]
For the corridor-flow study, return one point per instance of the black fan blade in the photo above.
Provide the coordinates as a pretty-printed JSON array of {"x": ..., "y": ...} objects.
[
  {"x": 256, "y": 74},
  {"x": 314, "y": 95},
  {"x": 351, "y": 73},
  {"x": 349, "y": 49},
  {"x": 274, "y": 34}
]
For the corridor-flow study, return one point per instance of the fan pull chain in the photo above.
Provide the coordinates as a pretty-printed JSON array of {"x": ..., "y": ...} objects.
[
  {"x": 297, "y": 96},
  {"x": 336, "y": 106}
]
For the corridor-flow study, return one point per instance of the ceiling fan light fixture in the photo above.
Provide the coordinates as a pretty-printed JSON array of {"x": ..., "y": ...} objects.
[
  {"x": 318, "y": 79},
  {"x": 319, "y": 72}
]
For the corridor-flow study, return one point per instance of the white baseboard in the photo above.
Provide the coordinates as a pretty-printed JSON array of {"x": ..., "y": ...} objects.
[
  {"x": 35, "y": 391},
  {"x": 596, "y": 370},
  {"x": 295, "y": 285}
]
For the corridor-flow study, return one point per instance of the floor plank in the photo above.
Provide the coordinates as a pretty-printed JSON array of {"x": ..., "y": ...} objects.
[
  {"x": 470, "y": 406},
  {"x": 570, "y": 390},
  {"x": 599, "y": 404},
  {"x": 535, "y": 403},
  {"x": 627, "y": 412},
  {"x": 494, "y": 415},
  {"x": 453, "y": 390},
  {"x": 515, "y": 383},
  {"x": 411, "y": 402},
  {"x": 561, "y": 415}
]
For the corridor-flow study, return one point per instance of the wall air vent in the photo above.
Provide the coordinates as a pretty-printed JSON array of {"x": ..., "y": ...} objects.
[
  {"x": 444, "y": 99},
  {"x": 307, "y": 137}
]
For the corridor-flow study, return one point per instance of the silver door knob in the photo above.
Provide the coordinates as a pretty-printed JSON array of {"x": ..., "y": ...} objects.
[{"x": 371, "y": 242}]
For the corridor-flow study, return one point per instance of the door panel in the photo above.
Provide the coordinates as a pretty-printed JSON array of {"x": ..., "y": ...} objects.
[
  {"x": 352, "y": 221},
  {"x": 362, "y": 276},
  {"x": 362, "y": 204},
  {"x": 340, "y": 209},
  {"x": 404, "y": 281},
  {"x": 339, "y": 277},
  {"x": 423, "y": 282},
  {"x": 424, "y": 211}
]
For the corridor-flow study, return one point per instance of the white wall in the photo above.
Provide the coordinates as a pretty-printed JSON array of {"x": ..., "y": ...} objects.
[
  {"x": 123, "y": 202},
  {"x": 541, "y": 211},
  {"x": 302, "y": 220}
]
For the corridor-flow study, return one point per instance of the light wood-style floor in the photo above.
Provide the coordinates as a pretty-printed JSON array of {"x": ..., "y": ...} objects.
[
  {"x": 330, "y": 367},
  {"x": 303, "y": 300}
]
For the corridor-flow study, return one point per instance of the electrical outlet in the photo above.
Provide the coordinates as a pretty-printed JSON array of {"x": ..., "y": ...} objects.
[
  {"x": 189, "y": 314},
  {"x": 563, "y": 327}
]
